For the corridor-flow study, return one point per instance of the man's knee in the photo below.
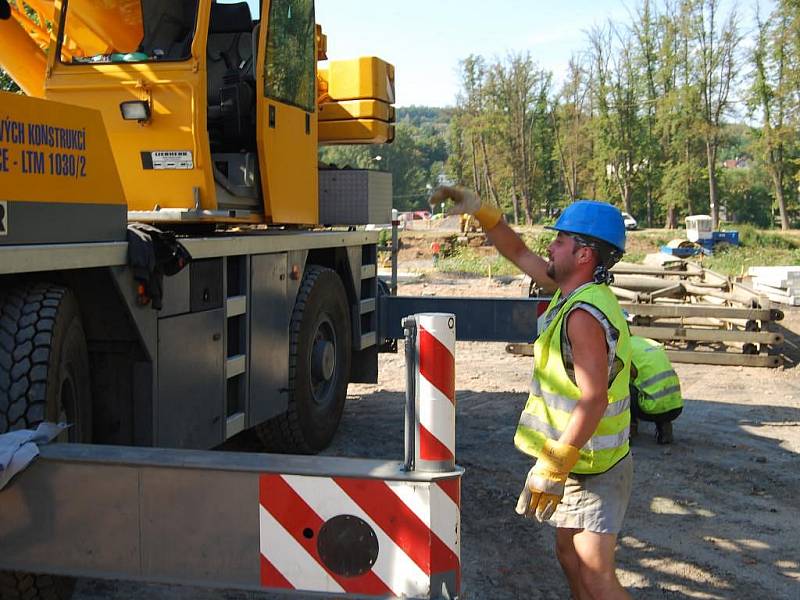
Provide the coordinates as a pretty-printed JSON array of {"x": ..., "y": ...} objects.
[
  {"x": 597, "y": 565},
  {"x": 599, "y": 583}
]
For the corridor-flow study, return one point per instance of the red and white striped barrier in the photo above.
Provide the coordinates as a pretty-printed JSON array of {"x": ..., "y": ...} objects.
[
  {"x": 394, "y": 532},
  {"x": 436, "y": 411},
  {"x": 361, "y": 536}
]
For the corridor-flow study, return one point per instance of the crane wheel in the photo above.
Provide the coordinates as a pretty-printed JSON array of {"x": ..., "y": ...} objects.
[
  {"x": 44, "y": 375},
  {"x": 319, "y": 367}
]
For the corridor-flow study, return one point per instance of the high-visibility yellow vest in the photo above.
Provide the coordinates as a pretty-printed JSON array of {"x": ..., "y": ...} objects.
[
  {"x": 656, "y": 381},
  {"x": 554, "y": 396}
]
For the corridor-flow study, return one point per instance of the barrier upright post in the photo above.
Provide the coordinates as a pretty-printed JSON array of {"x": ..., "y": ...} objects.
[{"x": 431, "y": 391}]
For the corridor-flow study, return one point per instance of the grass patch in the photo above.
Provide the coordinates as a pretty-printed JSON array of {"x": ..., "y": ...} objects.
[
  {"x": 470, "y": 261},
  {"x": 732, "y": 260},
  {"x": 634, "y": 256},
  {"x": 751, "y": 237},
  {"x": 758, "y": 248}
]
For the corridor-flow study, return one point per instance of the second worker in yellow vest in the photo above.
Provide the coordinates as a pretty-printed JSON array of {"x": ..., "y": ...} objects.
[
  {"x": 577, "y": 417},
  {"x": 655, "y": 388}
]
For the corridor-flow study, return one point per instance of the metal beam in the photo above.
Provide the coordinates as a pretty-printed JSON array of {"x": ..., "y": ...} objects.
[
  {"x": 678, "y": 332},
  {"x": 57, "y": 257},
  {"x": 261, "y": 242},
  {"x": 172, "y": 516},
  {"x": 693, "y": 310},
  {"x": 477, "y": 319},
  {"x": 724, "y": 358}
]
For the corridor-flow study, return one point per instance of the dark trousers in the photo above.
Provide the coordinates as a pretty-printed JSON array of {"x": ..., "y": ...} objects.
[{"x": 637, "y": 414}]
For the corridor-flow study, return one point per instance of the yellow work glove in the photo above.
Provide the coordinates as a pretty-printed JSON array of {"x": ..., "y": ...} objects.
[
  {"x": 544, "y": 486},
  {"x": 466, "y": 202}
]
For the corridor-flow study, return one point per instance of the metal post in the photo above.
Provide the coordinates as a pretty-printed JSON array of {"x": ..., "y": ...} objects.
[
  {"x": 410, "y": 330},
  {"x": 395, "y": 250}
]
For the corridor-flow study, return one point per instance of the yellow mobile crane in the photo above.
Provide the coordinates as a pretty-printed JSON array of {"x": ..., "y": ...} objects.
[
  {"x": 212, "y": 116},
  {"x": 250, "y": 306},
  {"x": 204, "y": 120}
]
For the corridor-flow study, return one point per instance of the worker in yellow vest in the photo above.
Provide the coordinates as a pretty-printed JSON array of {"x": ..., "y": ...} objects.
[
  {"x": 575, "y": 422},
  {"x": 655, "y": 388}
]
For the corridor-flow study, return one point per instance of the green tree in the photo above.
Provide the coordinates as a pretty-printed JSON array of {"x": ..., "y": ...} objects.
[
  {"x": 518, "y": 93},
  {"x": 714, "y": 39},
  {"x": 655, "y": 37},
  {"x": 618, "y": 124},
  {"x": 746, "y": 196},
  {"x": 772, "y": 94},
  {"x": 571, "y": 120}
]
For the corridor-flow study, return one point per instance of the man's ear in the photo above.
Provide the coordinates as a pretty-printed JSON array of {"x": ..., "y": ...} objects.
[{"x": 585, "y": 255}]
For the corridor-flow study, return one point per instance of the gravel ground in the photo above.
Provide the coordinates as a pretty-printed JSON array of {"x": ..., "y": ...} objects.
[{"x": 713, "y": 516}]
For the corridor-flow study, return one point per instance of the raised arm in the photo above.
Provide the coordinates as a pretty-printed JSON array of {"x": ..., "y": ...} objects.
[{"x": 505, "y": 239}]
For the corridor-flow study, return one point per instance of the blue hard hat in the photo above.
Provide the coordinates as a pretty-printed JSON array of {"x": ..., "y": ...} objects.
[{"x": 598, "y": 220}]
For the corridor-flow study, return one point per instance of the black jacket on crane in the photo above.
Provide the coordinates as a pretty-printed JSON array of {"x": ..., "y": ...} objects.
[{"x": 153, "y": 253}]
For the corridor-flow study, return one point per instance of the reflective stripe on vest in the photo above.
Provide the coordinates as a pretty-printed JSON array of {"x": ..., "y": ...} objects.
[
  {"x": 596, "y": 442},
  {"x": 554, "y": 395},
  {"x": 565, "y": 404},
  {"x": 656, "y": 378}
]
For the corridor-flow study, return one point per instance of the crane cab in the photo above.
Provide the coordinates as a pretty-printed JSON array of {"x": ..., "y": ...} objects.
[{"x": 215, "y": 114}]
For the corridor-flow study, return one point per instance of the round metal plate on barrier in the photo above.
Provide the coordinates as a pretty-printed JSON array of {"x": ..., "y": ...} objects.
[{"x": 347, "y": 545}]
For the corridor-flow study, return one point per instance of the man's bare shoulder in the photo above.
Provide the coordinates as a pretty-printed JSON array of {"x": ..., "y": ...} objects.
[{"x": 582, "y": 326}]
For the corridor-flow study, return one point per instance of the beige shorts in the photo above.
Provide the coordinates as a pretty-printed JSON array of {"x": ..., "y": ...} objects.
[{"x": 596, "y": 502}]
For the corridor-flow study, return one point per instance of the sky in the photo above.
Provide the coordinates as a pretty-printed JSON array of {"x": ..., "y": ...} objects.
[{"x": 426, "y": 39}]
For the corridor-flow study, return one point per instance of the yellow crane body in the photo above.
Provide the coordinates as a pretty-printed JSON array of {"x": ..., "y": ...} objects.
[
  {"x": 58, "y": 180},
  {"x": 212, "y": 116}
]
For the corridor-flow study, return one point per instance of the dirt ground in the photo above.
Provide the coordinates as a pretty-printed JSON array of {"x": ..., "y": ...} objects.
[{"x": 713, "y": 516}]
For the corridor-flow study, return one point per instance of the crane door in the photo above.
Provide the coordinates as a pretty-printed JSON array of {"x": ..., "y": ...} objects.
[{"x": 287, "y": 120}]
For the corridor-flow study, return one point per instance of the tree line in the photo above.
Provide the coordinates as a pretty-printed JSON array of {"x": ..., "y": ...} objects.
[
  {"x": 646, "y": 117},
  {"x": 675, "y": 112}
]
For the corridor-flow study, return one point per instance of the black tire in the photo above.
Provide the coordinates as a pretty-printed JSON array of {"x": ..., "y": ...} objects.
[
  {"x": 44, "y": 375},
  {"x": 319, "y": 367},
  {"x": 16, "y": 585}
]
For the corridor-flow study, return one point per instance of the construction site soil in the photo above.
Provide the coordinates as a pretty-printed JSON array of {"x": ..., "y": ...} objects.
[{"x": 714, "y": 515}]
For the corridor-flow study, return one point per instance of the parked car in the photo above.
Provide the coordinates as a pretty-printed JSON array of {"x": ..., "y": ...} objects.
[{"x": 630, "y": 222}]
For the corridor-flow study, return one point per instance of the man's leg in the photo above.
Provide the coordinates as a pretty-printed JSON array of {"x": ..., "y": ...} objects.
[
  {"x": 664, "y": 425},
  {"x": 570, "y": 563},
  {"x": 598, "y": 575},
  {"x": 663, "y": 432}
]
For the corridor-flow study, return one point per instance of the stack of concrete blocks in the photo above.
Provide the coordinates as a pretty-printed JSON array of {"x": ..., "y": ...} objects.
[{"x": 780, "y": 284}]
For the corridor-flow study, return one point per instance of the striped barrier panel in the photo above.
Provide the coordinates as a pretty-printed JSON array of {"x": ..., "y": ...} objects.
[
  {"x": 436, "y": 405},
  {"x": 395, "y": 536},
  {"x": 366, "y": 537}
]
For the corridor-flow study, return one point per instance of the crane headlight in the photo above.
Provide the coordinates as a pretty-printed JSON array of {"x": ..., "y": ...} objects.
[{"x": 135, "y": 110}]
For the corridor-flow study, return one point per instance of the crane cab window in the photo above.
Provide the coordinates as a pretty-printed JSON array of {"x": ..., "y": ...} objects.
[
  {"x": 120, "y": 31},
  {"x": 254, "y": 5},
  {"x": 291, "y": 56}
]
